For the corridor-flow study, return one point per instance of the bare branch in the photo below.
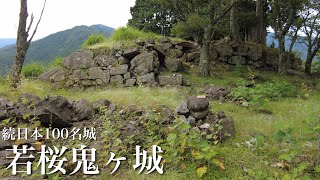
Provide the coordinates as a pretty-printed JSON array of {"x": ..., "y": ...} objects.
[
  {"x": 31, "y": 21},
  {"x": 35, "y": 30}
]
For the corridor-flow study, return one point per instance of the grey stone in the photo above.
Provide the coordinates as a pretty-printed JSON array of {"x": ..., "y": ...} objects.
[
  {"x": 193, "y": 56},
  {"x": 173, "y": 64},
  {"x": 119, "y": 70},
  {"x": 100, "y": 103},
  {"x": 224, "y": 49},
  {"x": 58, "y": 77},
  {"x": 242, "y": 50},
  {"x": 46, "y": 76},
  {"x": 123, "y": 60},
  {"x": 255, "y": 52},
  {"x": 228, "y": 129},
  {"x": 97, "y": 73},
  {"x": 174, "y": 53},
  {"x": 78, "y": 60},
  {"x": 143, "y": 63},
  {"x": 166, "y": 46},
  {"x": 79, "y": 74},
  {"x": 127, "y": 75},
  {"x": 198, "y": 103},
  {"x": 216, "y": 93},
  {"x": 191, "y": 120},
  {"x": 117, "y": 80},
  {"x": 200, "y": 114},
  {"x": 165, "y": 40},
  {"x": 237, "y": 60},
  {"x": 183, "y": 109},
  {"x": 130, "y": 82},
  {"x": 83, "y": 110},
  {"x": 179, "y": 47},
  {"x": 140, "y": 42},
  {"x": 174, "y": 80},
  {"x": 104, "y": 60},
  {"x": 131, "y": 53},
  {"x": 146, "y": 78}
]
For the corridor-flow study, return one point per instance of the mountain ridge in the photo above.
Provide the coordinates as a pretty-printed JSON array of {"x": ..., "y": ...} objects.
[{"x": 59, "y": 44}]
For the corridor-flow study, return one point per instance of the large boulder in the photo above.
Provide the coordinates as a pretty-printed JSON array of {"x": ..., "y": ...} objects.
[
  {"x": 119, "y": 70},
  {"x": 105, "y": 60},
  {"x": 173, "y": 80},
  {"x": 131, "y": 52},
  {"x": 79, "y": 60},
  {"x": 146, "y": 78},
  {"x": 173, "y": 64},
  {"x": 5, "y": 105},
  {"x": 224, "y": 49},
  {"x": 237, "y": 60},
  {"x": 144, "y": 63},
  {"x": 83, "y": 110},
  {"x": 199, "y": 106},
  {"x": 255, "y": 52},
  {"x": 117, "y": 80},
  {"x": 97, "y": 73}
]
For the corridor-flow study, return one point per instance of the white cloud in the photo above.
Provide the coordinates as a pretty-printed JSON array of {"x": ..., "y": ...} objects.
[{"x": 65, "y": 14}]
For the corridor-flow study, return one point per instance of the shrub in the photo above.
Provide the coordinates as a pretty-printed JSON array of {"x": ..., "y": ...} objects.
[
  {"x": 33, "y": 69},
  {"x": 57, "y": 62},
  {"x": 316, "y": 67},
  {"x": 94, "y": 39},
  {"x": 261, "y": 93},
  {"x": 129, "y": 33}
]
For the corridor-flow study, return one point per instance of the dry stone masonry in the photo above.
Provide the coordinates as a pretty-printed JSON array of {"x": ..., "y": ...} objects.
[{"x": 147, "y": 63}]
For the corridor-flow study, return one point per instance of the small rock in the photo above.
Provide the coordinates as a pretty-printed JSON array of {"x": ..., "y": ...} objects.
[{"x": 183, "y": 110}]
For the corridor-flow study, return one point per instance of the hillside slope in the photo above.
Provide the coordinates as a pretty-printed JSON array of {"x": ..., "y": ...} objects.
[
  {"x": 59, "y": 44},
  {"x": 6, "y": 41}
]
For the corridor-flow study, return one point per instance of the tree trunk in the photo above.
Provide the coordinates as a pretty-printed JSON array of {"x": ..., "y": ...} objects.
[
  {"x": 282, "y": 64},
  {"x": 308, "y": 65},
  {"x": 234, "y": 22},
  {"x": 205, "y": 52},
  {"x": 260, "y": 29},
  {"x": 22, "y": 45}
]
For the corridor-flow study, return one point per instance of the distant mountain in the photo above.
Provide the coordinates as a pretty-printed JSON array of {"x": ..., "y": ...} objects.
[
  {"x": 300, "y": 47},
  {"x": 58, "y": 44},
  {"x": 6, "y": 41}
]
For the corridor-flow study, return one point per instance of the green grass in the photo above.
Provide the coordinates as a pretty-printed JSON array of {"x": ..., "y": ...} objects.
[
  {"x": 241, "y": 162},
  {"x": 126, "y": 37}
]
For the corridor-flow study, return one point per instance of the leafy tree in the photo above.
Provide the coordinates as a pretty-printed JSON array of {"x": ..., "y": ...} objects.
[
  {"x": 149, "y": 15},
  {"x": 311, "y": 29},
  {"x": 282, "y": 16},
  {"x": 23, "y": 42},
  {"x": 202, "y": 17}
]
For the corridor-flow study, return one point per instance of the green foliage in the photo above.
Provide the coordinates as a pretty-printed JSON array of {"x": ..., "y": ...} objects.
[
  {"x": 33, "y": 69},
  {"x": 261, "y": 93},
  {"x": 94, "y": 39},
  {"x": 57, "y": 62},
  {"x": 129, "y": 34},
  {"x": 316, "y": 67},
  {"x": 191, "y": 28}
]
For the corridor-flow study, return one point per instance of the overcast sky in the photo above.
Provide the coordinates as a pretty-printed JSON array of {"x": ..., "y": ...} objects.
[{"x": 60, "y": 15}]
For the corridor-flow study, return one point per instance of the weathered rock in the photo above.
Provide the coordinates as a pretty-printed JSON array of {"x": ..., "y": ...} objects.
[
  {"x": 46, "y": 76},
  {"x": 130, "y": 82},
  {"x": 4, "y": 161},
  {"x": 228, "y": 129},
  {"x": 183, "y": 110},
  {"x": 131, "y": 53},
  {"x": 192, "y": 56},
  {"x": 178, "y": 47},
  {"x": 79, "y": 74},
  {"x": 123, "y": 61},
  {"x": 165, "y": 40},
  {"x": 237, "y": 60},
  {"x": 127, "y": 75},
  {"x": 117, "y": 80},
  {"x": 98, "y": 73},
  {"x": 28, "y": 99},
  {"x": 200, "y": 114},
  {"x": 100, "y": 103},
  {"x": 224, "y": 49},
  {"x": 78, "y": 60},
  {"x": 191, "y": 120},
  {"x": 173, "y": 64},
  {"x": 216, "y": 93},
  {"x": 119, "y": 70},
  {"x": 189, "y": 45},
  {"x": 198, "y": 103},
  {"x": 83, "y": 110},
  {"x": 5, "y": 105},
  {"x": 242, "y": 50},
  {"x": 143, "y": 63},
  {"x": 166, "y": 46},
  {"x": 255, "y": 52},
  {"x": 146, "y": 78},
  {"x": 174, "y": 80},
  {"x": 106, "y": 60},
  {"x": 174, "y": 53},
  {"x": 140, "y": 42}
]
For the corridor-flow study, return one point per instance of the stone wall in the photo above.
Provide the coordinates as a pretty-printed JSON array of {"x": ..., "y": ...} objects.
[
  {"x": 147, "y": 63},
  {"x": 141, "y": 64}
]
